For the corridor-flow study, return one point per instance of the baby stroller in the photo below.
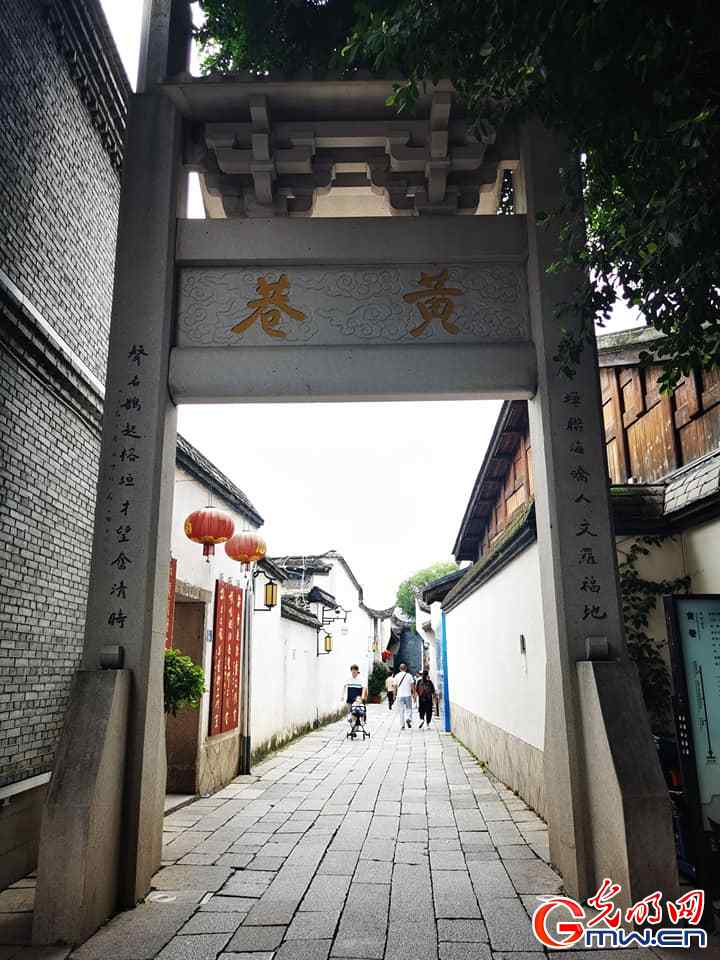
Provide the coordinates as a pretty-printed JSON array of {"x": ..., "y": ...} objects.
[{"x": 356, "y": 719}]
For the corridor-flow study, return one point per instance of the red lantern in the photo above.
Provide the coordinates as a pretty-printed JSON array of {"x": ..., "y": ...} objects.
[
  {"x": 246, "y": 547},
  {"x": 208, "y": 527}
]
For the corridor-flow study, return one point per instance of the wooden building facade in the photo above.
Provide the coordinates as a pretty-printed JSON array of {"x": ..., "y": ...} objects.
[{"x": 647, "y": 435}]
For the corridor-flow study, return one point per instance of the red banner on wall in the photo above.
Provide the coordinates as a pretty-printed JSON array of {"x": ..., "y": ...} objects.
[
  {"x": 171, "y": 604},
  {"x": 225, "y": 676}
]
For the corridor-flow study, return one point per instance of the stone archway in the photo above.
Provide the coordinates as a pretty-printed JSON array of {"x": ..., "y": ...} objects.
[{"x": 274, "y": 305}]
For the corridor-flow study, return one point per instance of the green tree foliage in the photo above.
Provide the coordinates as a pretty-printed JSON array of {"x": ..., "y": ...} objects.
[
  {"x": 273, "y": 36},
  {"x": 184, "y": 682},
  {"x": 410, "y": 588},
  {"x": 632, "y": 87},
  {"x": 639, "y": 599}
]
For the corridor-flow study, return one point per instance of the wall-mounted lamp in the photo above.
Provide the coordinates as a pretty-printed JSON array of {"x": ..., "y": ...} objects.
[
  {"x": 522, "y": 645},
  {"x": 327, "y": 644},
  {"x": 270, "y": 597}
]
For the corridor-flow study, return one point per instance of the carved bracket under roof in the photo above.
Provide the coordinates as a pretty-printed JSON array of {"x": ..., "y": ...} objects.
[{"x": 266, "y": 161}]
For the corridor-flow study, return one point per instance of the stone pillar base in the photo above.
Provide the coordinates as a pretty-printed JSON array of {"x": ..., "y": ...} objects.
[
  {"x": 77, "y": 886},
  {"x": 629, "y": 817}
]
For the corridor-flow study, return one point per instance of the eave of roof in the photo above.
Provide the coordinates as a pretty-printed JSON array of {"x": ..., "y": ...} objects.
[
  {"x": 624, "y": 348},
  {"x": 693, "y": 489},
  {"x": 468, "y": 538},
  {"x": 518, "y": 535},
  {"x": 272, "y": 570},
  {"x": 197, "y": 465},
  {"x": 296, "y": 563},
  {"x": 378, "y": 614},
  {"x": 439, "y": 589},
  {"x": 84, "y": 37},
  {"x": 637, "y": 510},
  {"x": 291, "y": 610},
  {"x": 316, "y": 595}
]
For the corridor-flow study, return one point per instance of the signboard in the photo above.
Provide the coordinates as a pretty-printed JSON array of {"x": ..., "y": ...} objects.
[
  {"x": 225, "y": 675},
  {"x": 694, "y": 631},
  {"x": 351, "y": 305},
  {"x": 368, "y": 308},
  {"x": 170, "y": 626}
]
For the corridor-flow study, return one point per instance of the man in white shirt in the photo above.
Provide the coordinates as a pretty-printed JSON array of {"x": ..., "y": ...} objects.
[
  {"x": 355, "y": 686},
  {"x": 405, "y": 692}
]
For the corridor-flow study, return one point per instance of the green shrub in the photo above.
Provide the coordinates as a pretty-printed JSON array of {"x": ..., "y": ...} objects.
[
  {"x": 376, "y": 680},
  {"x": 184, "y": 682}
]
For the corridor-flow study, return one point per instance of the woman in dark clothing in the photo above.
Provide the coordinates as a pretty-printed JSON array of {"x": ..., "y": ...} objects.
[{"x": 426, "y": 695}]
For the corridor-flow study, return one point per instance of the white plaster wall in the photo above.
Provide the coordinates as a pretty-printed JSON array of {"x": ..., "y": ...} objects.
[
  {"x": 694, "y": 553},
  {"x": 192, "y": 567},
  {"x": 487, "y": 673},
  {"x": 352, "y": 640},
  {"x": 664, "y": 562},
  {"x": 292, "y": 685},
  {"x": 702, "y": 557},
  {"x": 423, "y": 617}
]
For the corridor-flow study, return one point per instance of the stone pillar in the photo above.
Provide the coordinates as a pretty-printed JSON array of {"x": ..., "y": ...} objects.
[
  {"x": 127, "y": 602},
  {"x": 128, "y": 590},
  {"x": 581, "y": 605}
]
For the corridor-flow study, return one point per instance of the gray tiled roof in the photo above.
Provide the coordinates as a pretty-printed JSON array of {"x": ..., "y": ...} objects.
[
  {"x": 639, "y": 508},
  {"x": 189, "y": 458},
  {"x": 291, "y": 609},
  {"x": 304, "y": 564},
  {"x": 692, "y": 484}
]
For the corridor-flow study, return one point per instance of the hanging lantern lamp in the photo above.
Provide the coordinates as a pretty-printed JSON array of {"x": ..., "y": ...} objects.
[
  {"x": 247, "y": 547},
  {"x": 208, "y": 527},
  {"x": 271, "y": 594}
]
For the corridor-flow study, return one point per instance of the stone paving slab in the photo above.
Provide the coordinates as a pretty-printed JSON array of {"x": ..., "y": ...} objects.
[
  {"x": 138, "y": 934},
  {"x": 466, "y": 951},
  {"x": 454, "y": 895},
  {"x": 200, "y": 947},
  {"x": 251, "y": 939},
  {"x": 401, "y": 847},
  {"x": 211, "y": 923},
  {"x": 302, "y": 950},
  {"x": 508, "y": 925}
]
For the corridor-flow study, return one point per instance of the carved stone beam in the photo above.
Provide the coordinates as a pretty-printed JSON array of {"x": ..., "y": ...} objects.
[
  {"x": 404, "y": 159},
  {"x": 469, "y": 156},
  {"x": 263, "y": 173},
  {"x": 439, "y": 121},
  {"x": 436, "y": 173}
]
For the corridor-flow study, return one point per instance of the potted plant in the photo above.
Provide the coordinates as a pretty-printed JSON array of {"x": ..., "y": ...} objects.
[
  {"x": 376, "y": 682},
  {"x": 183, "y": 684}
]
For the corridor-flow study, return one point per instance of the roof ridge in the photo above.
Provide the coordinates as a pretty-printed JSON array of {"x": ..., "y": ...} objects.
[{"x": 197, "y": 463}]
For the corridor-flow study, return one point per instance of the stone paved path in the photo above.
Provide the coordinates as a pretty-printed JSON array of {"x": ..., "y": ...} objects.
[{"x": 397, "y": 847}]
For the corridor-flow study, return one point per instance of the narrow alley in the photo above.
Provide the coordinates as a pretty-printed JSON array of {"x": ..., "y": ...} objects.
[{"x": 399, "y": 846}]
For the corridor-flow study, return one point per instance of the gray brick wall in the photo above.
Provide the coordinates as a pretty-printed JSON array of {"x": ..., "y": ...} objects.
[
  {"x": 58, "y": 191},
  {"x": 48, "y": 468},
  {"x": 59, "y": 197}
]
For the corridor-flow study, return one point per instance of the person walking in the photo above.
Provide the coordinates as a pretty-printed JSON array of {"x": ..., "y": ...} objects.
[
  {"x": 355, "y": 686},
  {"x": 390, "y": 688},
  {"x": 405, "y": 692},
  {"x": 426, "y": 695}
]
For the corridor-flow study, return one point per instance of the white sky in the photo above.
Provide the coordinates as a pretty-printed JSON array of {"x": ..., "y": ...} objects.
[{"x": 386, "y": 484}]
